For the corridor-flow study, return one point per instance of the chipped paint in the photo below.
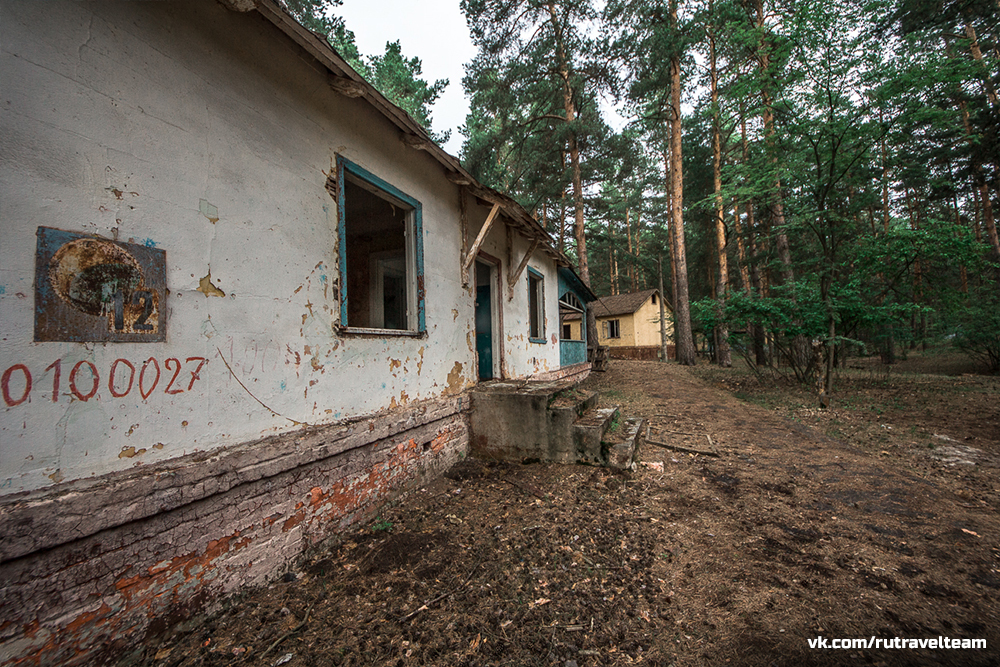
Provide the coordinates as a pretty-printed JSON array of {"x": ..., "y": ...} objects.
[
  {"x": 456, "y": 383},
  {"x": 93, "y": 289},
  {"x": 206, "y": 287},
  {"x": 207, "y": 209},
  {"x": 129, "y": 452}
]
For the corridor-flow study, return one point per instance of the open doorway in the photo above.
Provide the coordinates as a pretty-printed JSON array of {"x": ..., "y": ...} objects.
[{"x": 486, "y": 319}]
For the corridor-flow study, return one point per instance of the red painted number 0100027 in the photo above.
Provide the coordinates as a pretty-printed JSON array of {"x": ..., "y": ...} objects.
[{"x": 85, "y": 380}]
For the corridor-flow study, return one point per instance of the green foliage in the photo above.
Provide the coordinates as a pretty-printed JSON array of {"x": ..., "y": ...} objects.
[
  {"x": 976, "y": 326},
  {"x": 395, "y": 76},
  {"x": 535, "y": 61},
  {"x": 399, "y": 79},
  {"x": 382, "y": 526}
]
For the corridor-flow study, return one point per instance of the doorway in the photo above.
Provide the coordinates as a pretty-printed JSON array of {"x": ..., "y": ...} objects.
[{"x": 485, "y": 319}]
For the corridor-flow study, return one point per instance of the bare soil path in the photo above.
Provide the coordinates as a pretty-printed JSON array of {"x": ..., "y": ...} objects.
[{"x": 787, "y": 536}]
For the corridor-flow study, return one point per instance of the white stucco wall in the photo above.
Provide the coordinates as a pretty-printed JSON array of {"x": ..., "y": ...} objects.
[{"x": 133, "y": 120}]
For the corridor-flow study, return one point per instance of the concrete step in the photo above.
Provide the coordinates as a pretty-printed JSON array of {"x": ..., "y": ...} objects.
[
  {"x": 550, "y": 421},
  {"x": 589, "y": 433},
  {"x": 518, "y": 421},
  {"x": 573, "y": 401},
  {"x": 622, "y": 452}
]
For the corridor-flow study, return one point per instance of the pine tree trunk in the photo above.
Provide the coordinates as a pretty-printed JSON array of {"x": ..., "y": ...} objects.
[
  {"x": 635, "y": 255},
  {"x": 741, "y": 249},
  {"x": 800, "y": 347},
  {"x": 723, "y": 357},
  {"x": 682, "y": 307},
  {"x": 883, "y": 151},
  {"x": 562, "y": 206},
  {"x": 574, "y": 149},
  {"x": 755, "y": 287},
  {"x": 612, "y": 265},
  {"x": 977, "y": 55},
  {"x": 664, "y": 350},
  {"x": 671, "y": 241},
  {"x": 630, "y": 268}
]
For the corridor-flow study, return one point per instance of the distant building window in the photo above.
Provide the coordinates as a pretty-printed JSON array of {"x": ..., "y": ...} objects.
[
  {"x": 612, "y": 329},
  {"x": 570, "y": 312},
  {"x": 381, "y": 253},
  {"x": 654, "y": 298},
  {"x": 536, "y": 306}
]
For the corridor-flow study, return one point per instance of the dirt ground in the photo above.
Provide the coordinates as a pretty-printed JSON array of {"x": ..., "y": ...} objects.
[{"x": 875, "y": 518}]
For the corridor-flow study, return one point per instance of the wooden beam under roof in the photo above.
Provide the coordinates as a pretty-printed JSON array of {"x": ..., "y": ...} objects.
[
  {"x": 512, "y": 278},
  {"x": 474, "y": 250}
]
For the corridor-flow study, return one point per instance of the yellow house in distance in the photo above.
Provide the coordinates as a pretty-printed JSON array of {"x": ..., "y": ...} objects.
[{"x": 629, "y": 324}]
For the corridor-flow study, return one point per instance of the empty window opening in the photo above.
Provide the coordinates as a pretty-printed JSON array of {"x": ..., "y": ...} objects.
[
  {"x": 612, "y": 329},
  {"x": 536, "y": 305},
  {"x": 571, "y": 313},
  {"x": 380, "y": 263}
]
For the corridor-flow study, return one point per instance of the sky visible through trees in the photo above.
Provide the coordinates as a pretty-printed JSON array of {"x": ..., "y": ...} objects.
[{"x": 819, "y": 177}]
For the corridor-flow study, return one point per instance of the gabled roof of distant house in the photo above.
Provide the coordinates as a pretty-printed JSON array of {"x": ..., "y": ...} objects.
[
  {"x": 622, "y": 304},
  {"x": 349, "y": 83}
]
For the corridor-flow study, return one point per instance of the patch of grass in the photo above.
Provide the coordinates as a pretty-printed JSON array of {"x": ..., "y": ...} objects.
[
  {"x": 763, "y": 400},
  {"x": 382, "y": 526},
  {"x": 615, "y": 422}
]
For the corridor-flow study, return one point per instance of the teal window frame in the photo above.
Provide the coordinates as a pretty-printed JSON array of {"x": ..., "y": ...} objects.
[
  {"x": 344, "y": 168},
  {"x": 535, "y": 278}
]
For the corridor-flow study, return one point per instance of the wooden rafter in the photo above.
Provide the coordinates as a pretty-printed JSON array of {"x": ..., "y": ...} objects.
[
  {"x": 474, "y": 250},
  {"x": 512, "y": 278},
  {"x": 464, "y": 216}
]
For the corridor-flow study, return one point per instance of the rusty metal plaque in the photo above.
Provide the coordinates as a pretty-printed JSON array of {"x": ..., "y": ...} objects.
[{"x": 91, "y": 289}]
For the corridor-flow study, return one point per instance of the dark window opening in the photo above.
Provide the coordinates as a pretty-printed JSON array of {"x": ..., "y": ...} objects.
[
  {"x": 570, "y": 312},
  {"x": 380, "y": 263},
  {"x": 612, "y": 329},
  {"x": 536, "y": 304}
]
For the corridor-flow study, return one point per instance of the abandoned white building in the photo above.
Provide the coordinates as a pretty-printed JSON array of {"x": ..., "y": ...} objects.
[{"x": 239, "y": 293}]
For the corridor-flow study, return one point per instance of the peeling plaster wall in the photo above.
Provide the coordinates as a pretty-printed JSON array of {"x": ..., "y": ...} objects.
[{"x": 208, "y": 134}]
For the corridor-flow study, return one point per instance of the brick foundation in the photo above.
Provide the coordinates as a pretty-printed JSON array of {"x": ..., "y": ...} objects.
[{"x": 143, "y": 551}]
